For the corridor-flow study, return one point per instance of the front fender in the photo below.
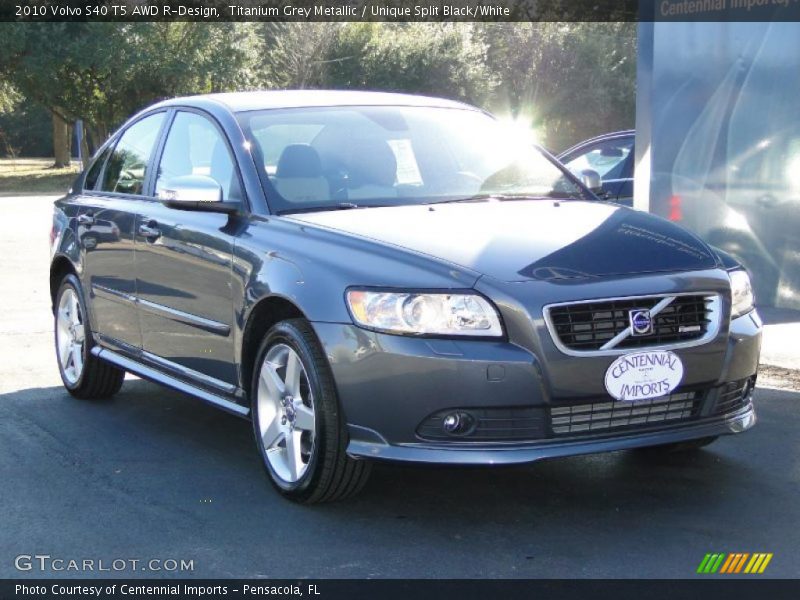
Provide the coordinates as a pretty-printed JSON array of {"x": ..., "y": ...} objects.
[{"x": 312, "y": 268}]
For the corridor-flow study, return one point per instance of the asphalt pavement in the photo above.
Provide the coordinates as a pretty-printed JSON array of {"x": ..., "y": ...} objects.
[{"x": 153, "y": 474}]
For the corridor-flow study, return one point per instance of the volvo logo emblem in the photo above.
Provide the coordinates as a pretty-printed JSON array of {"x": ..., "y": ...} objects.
[{"x": 641, "y": 321}]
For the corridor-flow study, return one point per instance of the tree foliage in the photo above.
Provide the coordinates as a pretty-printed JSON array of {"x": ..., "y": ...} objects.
[
  {"x": 570, "y": 81},
  {"x": 428, "y": 58},
  {"x": 567, "y": 80},
  {"x": 443, "y": 59},
  {"x": 104, "y": 72},
  {"x": 9, "y": 97},
  {"x": 295, "y": 55}
]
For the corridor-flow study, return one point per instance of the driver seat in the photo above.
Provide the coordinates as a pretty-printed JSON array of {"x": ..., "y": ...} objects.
[
  {"x": 298, "y": 175},
  {"x": 373, "y": 169}
]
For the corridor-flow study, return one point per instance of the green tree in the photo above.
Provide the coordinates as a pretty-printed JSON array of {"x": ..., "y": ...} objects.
[
  {"x": 104, "y": 72},
  {"x": 568, "y": 80},
  {"x": 9, "y": 97},
  {"x": 295, "y": 55},
  {"x": 444, "y": 59},
  {"x": 427, "y": 58}
]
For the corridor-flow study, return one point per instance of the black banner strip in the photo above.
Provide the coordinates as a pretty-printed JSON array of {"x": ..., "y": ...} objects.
[
  {"x": 707, "y": 588},
  {"x": 210, "y": 11}
]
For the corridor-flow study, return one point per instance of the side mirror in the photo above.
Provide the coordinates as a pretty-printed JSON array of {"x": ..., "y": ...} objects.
[
  {"x": 592, "y": 180},
  {"x": 195, "y": 192}
]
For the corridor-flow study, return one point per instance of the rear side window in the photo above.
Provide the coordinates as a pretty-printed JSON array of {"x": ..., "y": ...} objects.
[
  {"x": 125, "y": 172},
  {"x": 94, "y": 171}
]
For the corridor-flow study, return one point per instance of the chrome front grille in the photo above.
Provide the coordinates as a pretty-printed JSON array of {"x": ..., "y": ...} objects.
[
  {"x": 594, "y": 326},
  {"x": 605, "y": 416}
]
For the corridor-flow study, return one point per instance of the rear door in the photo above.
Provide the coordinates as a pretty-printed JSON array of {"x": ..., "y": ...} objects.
[
  {"x": 184, "y": 260},
  {"x": 113, "y": 191}
]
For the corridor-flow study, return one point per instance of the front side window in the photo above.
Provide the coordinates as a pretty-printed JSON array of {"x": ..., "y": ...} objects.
[
  {"x": 126, "y": 169},
  {"x": 196, "y": 147},
  {"x": 607, "y": 158},
  {"x": 393, "y": 155}
]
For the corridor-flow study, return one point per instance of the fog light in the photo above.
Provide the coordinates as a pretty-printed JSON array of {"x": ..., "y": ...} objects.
[{"x": 458, "y": 423}]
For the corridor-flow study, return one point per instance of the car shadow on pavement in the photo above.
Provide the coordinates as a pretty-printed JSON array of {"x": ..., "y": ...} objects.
[
  {"x": 186, "y": 473},
  {"x": 566, "y": 486},
  {"x": 147, "y": 422}
]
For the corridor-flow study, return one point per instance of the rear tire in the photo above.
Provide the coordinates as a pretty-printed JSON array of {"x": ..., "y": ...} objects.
[
  {"x": 84, "y": 375},
  {"x": 678, "y": 447},
  {"x": 298, "y": 426}
]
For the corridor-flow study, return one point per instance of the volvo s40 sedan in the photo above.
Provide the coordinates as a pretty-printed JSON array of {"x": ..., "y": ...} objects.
[{"x": 387, "y": 277}]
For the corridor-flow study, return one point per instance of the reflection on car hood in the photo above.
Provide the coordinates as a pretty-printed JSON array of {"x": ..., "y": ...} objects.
[{"x": 530, "y": 239}]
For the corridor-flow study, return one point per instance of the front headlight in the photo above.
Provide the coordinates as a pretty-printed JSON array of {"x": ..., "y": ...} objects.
[
  {"x": 424, "y": 314},
  {"x": 742, "y": 299}
]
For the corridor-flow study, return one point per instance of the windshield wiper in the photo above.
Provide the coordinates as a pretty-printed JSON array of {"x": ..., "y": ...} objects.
[
  {"x": 499, "y": 197},
  {"x": 323, "y": 207},
  {"x": 475, "y": 198}
]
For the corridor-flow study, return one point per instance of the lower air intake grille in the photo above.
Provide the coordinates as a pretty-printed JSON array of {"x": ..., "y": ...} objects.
[
  {"x": 490, "y": 425},
  {"x": 604, "y": 416},
  {"x": 731, "y": 397}
]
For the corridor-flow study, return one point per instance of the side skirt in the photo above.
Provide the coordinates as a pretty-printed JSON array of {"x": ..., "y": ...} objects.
[{"x": 172, "y": 382}]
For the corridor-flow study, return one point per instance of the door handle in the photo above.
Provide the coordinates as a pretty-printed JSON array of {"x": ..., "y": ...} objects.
[
  {"x": 86, "y": 219},
  {"x": 150, "y": 231}
]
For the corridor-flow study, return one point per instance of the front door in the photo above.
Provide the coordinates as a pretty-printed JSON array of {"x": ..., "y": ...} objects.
[{"x": 184, "y": 262}]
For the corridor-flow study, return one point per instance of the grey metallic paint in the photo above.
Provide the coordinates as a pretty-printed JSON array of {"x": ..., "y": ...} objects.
[{"x": 175, "y": 309}]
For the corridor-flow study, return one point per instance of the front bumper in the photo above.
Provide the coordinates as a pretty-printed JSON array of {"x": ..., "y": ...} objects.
[
  {"x": 528, "y": 452},
  {"x": 390, "y": 385}
]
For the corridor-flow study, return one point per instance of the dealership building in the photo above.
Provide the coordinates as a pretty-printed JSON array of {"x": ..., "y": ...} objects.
[{"x": 718, "y": 141}]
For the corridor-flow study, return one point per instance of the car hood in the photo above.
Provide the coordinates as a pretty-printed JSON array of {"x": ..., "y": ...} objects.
[{"x": 528, "y": 239}]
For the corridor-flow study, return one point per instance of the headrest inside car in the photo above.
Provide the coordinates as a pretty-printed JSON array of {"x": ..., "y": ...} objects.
[{"x": 298, "y": 161}]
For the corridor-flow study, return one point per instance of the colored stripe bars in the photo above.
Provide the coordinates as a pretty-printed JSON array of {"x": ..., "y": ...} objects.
[{"x": 736, "y": 562}]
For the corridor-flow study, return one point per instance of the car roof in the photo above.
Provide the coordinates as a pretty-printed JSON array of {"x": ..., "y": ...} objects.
[{"x": 260, "y": 100}]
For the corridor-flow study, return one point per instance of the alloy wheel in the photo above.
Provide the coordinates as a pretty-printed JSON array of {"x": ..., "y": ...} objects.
[
  {"x": 70, "y": 336},
  {"x": 286, "y": 420}
]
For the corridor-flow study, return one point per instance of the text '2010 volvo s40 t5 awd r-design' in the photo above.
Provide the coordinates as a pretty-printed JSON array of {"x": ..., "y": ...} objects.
[{"x": 387, "y": 277}]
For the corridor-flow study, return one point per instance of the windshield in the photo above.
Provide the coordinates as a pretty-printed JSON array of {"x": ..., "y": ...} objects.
[{"x": 343, "y": 157}]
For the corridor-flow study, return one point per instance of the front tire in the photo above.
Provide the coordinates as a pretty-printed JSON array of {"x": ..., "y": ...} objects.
[
  {"x": 84, "y": 375},
  {"x": 299, "y": 429}
]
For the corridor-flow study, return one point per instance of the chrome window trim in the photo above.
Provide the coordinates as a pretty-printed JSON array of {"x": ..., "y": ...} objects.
[{"x": 714, "y": 313}]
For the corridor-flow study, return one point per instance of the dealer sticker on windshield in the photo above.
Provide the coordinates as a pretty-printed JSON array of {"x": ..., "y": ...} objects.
[{"x": 643, "y": 375}]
